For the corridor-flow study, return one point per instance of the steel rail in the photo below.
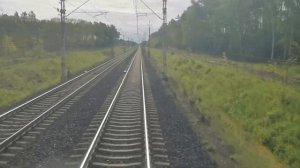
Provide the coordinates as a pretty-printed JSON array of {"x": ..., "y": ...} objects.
[
  {"x": 147, "y": 148},
  {"x": 93, "y": 145},
  {"x": 46, "y": 113}
]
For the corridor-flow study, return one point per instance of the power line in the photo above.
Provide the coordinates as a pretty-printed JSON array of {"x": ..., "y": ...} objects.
[
  {"x": 97, "y": 12},
  {"x": 151, "y": 9},
  {"x": 89, "y": 13},
  {"x": 85, "y": 12},
  {"x": 63, "y": 16},
  {"x": 77, "y": 8},
  {"x": 137, "y": 19},
  {"x": 101, "y": 13},
  {"x": 138, "y": 14}
]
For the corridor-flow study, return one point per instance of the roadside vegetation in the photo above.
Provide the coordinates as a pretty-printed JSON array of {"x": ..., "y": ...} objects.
[
  {"x": 286, "y": 73},
  {"x": 30, "y": 52},
  {"x": 251, "y": 113},
  {"x": 23, "y": 34},
  {"x": 290, "y": 73},
  {"x": 246, "y": 84},
  {"x": 245, "y": 30},
  {"x": 21, "y": 77}
]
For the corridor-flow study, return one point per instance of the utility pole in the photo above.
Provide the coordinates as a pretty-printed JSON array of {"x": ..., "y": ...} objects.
[
  {"x": 164, "y": 52},
  {"x": 137, "y": 19},
  {"x": 149, "y": 38},
  {"x": 63, "y": 40},
  {"x": 138, "y": 14}
]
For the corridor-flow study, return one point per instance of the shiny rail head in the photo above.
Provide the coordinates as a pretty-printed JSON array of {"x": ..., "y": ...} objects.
[
  {"x": 88, "y": 156},
  {"x": 15, "y": 136}
]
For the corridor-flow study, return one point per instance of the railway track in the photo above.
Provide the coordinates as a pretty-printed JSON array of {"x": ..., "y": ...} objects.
[
  {"x": 23, "y": 124},
  {"x": 126, "y": 131}
]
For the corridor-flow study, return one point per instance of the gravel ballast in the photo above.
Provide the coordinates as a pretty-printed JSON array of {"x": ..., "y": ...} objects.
[
  {"x": 183, "y": 145},
  {"x": 56, "y": 143}
]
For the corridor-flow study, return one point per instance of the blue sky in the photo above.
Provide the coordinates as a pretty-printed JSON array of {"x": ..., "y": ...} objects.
[{"x": 121, "y": 12}]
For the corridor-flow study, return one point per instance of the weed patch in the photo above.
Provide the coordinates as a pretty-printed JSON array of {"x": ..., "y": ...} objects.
[
  {"x": 23, "y": 77},
  {"x": 251, "y": 110}
]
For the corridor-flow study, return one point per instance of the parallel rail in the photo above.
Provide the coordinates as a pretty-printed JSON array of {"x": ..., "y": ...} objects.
[
  {"x": 128, "y": 134},
  {"x": 53, "y": 90},
  {"x": 18, "y": 121},
  {"x": 92, "y": 148}
]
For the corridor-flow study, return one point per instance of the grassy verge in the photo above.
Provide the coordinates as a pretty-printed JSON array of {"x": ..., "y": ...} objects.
[
  {"x": 281, "y": 70},
  {"x": 274, "y": 71},
  {"x": 252, "y": 114},
  {"x": 23, "y": 77}
]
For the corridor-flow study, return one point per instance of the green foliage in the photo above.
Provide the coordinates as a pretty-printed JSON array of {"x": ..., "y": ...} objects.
[
  {"x": 22, "y": 77},
  {"x": 25, "y": 32},
  {"x": 8, "y": 45},
  {"x": 265, "y": 108},
  {"x": 244, "y": 29},
  {"x": 80, "y": 60}
]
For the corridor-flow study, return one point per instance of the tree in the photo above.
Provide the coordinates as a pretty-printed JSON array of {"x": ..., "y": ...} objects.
[
  {"x": 16, "y": 14},
  {"x": 8, "y": 45},
  {"x": 2, "y": 34},
  {"x": 24, "y": 15},
  {"x": 28, "y": 32},
  {"x": 256, "y": 30},
  {"x": 31, "y": 16},
  {"x": 51, "y": 36}
]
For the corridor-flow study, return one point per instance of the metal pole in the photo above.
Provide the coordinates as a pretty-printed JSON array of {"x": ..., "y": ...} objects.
[
  {"x": 164, "y": 52},
  {"x": 63, "y": 39},
  {"x": 149, "y": 38},
  {"x": 137, "y": 28},
  {"x": 137, "y": 20}
]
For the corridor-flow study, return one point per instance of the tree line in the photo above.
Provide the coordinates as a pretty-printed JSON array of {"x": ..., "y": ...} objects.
[
  {"x": 20, "y": 33},
  {"x": 243, "y": 29}
]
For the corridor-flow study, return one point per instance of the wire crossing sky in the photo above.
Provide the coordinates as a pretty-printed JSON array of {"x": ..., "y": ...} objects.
[{"x": 121, "y": 13}]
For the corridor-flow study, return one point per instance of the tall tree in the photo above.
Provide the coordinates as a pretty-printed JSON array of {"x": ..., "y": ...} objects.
[
  {"x": 256, "y": 30},
  {"x": 27, "y": 33}
]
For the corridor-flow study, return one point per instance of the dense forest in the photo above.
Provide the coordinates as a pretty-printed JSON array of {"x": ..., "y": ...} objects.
[
  {"x": 24, "y": 32},
  {"x": 256, "y": 30}
]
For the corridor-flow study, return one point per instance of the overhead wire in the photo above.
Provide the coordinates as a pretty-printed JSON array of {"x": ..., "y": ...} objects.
[
  {"x": 78, "y": 7},
  {"x": 96, "y": 5},
  {"x": 104, "y": 13},
  {"x": 85, "y": 12},
  {"x": 151, "y": 9}
]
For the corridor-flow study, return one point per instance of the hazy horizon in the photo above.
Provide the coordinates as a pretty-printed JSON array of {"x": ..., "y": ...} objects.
[{"x": 120, "y": 13}]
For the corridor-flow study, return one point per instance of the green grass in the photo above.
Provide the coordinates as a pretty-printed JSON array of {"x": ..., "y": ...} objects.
[
  {"x": 254, "y": 115},
  {"x": 77, "y": 61},
  {"x": 265, "y": 70},
  {"x": 291, "y": 71},
  {"x": 25, "y": 76}
]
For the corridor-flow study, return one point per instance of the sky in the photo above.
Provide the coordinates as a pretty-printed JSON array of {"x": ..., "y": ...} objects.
[{"x": 121, "y": 13}]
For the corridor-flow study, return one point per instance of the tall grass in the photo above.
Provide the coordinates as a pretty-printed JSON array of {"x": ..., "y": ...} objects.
[
  {"x": 245, "y": 105},
  {"x": 22, "y": 77},
  {"x": 276, "y": 70}
]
